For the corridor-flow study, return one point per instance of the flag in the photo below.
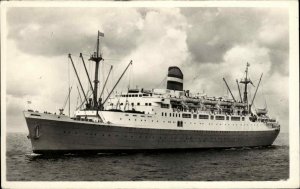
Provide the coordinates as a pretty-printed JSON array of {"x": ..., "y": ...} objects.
[{"x": 101, "y": 34}]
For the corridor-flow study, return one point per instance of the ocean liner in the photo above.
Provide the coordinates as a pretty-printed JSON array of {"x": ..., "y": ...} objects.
[{"x": 156, "y": 119}]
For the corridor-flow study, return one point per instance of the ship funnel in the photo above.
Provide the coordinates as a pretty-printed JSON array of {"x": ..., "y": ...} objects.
[{"x": 175, "y": 79}]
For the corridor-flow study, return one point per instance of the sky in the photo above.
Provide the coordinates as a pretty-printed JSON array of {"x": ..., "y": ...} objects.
[{"x": 206, "y": 43}]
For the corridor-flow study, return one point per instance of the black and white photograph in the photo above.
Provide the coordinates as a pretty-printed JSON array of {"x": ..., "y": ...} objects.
[{"x": 195, "y": 92}]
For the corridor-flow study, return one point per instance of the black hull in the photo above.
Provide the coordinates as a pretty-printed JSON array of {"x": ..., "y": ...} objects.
[{"x": 55, "y": 136}]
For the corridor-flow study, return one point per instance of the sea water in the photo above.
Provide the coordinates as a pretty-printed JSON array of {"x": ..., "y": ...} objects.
[{"x": 233, "y": 164}]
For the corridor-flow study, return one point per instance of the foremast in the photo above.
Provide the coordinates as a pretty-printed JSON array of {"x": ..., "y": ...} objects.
[{"x": 96, "y": 57}]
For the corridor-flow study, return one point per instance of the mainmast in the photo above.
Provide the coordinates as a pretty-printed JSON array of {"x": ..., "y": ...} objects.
[
  {"x": 246, "y": 81},
  {"x": 96, "y": 57}
]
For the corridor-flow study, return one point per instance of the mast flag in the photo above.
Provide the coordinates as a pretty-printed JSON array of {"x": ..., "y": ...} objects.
[{"x": 101, "y": 34}]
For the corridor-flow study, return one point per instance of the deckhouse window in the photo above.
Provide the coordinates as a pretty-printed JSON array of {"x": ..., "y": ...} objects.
[
  {"x": 165, "y": 106},
  {"x": 227, "y": 117},
  {"x": 146, "y": 104},
  {"x": 211, "y": 117},
  {"x": 195, "y": 116},
  {"x": 219, "y": 117},
  {"x": 186, "y": 115},
  {"x": 132, "y": 104},
  {"x": 203, "y": 116},
  {"x": 243, "y": 118},
  {"x": 138, "y": 103},
  {"x": 235, "y": 118},
  {"x": 149, "y": 104},
  {"x": 162, "y": 114},
  {"x": 140, "y": 95}
]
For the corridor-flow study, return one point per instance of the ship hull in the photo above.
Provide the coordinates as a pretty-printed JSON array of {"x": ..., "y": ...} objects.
[{"x": 56, "y": 136}]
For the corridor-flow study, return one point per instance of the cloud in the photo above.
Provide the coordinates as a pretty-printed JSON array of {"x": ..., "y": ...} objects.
[
  {"x": 209, "y": 76},
  {"x": 206, "y": 43},
  {"x": 212, "y": 32},
  {"x": 162, "y": 44},
  {"x": 58, "y": 31}
]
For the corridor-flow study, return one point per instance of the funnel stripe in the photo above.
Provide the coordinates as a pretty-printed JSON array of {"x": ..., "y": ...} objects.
[{"x": 175, "y": 79}]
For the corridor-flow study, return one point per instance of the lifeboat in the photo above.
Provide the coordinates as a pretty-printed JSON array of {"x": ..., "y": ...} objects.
[
  {"x": 209, "y": 102},
  {"x": 222, "y": 103},
  {"x": 262, "y": 111},
  {"x": 239, "y": 104}
]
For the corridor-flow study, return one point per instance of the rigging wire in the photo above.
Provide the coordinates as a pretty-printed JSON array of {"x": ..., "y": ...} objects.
[
  {"x": 163, "y": 82},
  {"x": 69, "y": 90}
]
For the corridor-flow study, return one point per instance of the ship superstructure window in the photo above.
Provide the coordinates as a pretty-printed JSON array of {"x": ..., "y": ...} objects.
[
  {"x": 195, "y": 116},
  {"x": 164, "y": 105},
  {"x": 132, "y": 104},
  {"x": 138, "y": 104},
  {"x": 219, "y": 117},
  {"x": 235, "y": 118},
  {"x": 186, "y": 115},
  {"x": 140, "y": 95},
  {"x": 211, "y": 117},
  {"x": 203, "y": 116},
  {"x": 227, "y": 117},
  {"x": 162, "y": 114},
  {"x": 149, "y": 104},
  {"x": 243, "y": 118}
]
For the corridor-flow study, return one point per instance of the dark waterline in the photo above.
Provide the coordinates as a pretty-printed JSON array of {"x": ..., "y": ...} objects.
[{"x": 235, "y": 164}]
